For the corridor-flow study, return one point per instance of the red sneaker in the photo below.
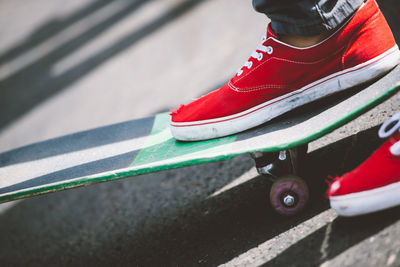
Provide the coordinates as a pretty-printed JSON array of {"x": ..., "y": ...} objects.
[
  {"x": 279, "y": 77},
  {"x": 375, "y": 184}
]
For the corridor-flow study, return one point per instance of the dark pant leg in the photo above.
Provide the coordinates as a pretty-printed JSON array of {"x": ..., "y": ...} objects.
[{"x": 306, "y": 17}]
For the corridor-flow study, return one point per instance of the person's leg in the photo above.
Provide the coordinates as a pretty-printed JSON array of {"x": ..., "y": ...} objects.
[
  {"x": 306, "y": 17},
  {"x": 305, "y": 22},
  {"x": 357, "y": 46}
]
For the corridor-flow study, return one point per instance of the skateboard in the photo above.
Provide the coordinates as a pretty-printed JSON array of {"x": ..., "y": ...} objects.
[{"x": 146, "y": 145}]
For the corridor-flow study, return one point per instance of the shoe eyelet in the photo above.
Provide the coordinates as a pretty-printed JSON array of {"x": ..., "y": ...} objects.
[
  {"x": 260, "y": 56},
  {"x": 270, "y": 50},
  {"x": 250, "y": 64},
  {"x": 263, "y": 38}
]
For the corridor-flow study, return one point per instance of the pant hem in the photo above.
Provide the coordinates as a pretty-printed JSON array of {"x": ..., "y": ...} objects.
[{"x": 326, "y": 21}]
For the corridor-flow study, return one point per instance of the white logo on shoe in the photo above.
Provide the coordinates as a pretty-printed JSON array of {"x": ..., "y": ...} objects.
[
  {"x": 395, "y": 149},
  {"x": 335, "y": 186}
]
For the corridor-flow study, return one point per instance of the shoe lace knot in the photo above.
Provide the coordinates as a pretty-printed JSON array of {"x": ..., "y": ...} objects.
[
  {"x": 257, "y": 54},
  {"x": 390, "y": 127}
]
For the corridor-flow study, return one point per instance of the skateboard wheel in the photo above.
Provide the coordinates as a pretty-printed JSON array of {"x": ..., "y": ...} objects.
[{"x": 289, "y": 195}]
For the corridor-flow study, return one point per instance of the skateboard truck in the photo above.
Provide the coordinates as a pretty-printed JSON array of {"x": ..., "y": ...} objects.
[
  {"x": 273, "y": 164},
  {"x": 289, "y": 193}
]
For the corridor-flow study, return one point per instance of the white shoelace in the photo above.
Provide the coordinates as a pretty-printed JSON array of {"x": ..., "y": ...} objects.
[
  {"x": 388, "y": 128},
  {"x": 257, "y": 55}
]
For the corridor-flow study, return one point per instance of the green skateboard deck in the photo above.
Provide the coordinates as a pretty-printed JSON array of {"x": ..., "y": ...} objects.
[{"x": 145, "y": 145}]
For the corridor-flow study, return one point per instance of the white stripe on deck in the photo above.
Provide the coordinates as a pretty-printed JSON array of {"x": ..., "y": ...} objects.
[{"x": 20, "y": 172}]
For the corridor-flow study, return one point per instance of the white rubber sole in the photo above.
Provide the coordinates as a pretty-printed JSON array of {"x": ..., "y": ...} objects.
[
  {"x": 208, "y": 129},
  {"x": 367, "y": 201}
]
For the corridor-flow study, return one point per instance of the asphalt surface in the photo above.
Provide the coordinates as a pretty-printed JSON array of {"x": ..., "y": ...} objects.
[{"x": 76, "y": 65}]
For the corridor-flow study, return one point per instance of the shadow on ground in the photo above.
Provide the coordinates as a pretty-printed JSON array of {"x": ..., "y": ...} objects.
[
  {"x": 169, "y": 218},
  {"x": 342, "y": 233},
  {"x": 29, "y": 86}
]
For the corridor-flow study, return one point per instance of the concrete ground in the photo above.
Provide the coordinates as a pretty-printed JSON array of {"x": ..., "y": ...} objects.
[{"x": 67, "y": 66}]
